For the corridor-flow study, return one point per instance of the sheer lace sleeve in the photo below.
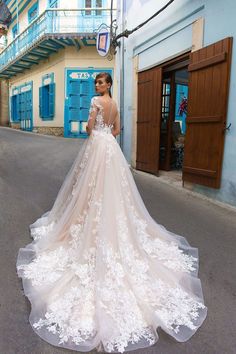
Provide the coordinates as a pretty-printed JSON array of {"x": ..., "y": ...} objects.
[{"x": 92, "y": 115}]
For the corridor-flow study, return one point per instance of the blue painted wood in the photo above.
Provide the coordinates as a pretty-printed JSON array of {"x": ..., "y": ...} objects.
[
  {"x": 33, "y": 12},
  {"x": 181, "y": 92},
  {"x": 53, "y": 3},
  {"x": 47, "y": 101},
  {"x": 51, "y": 100},
  {"x": 79, "y": 91},
  {"x": 15, "y": 31},
  {"x": 14, "y": 108},
  {"x": 41, "y": 113},
  {"x": 21, "y": 109}
]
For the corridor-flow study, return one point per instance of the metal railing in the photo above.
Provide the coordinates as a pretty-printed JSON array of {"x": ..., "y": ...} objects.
[{"x": 55, "y": 21}]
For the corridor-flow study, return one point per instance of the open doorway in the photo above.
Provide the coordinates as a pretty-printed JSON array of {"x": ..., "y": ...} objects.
[
  {"x": 195, "y": 85},
  {"x": 173, "y": 119}
]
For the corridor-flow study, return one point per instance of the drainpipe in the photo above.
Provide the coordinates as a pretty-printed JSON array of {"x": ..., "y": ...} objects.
[
  {"x": 17, "y": 16},
  {"x": 122, "y": 17}
]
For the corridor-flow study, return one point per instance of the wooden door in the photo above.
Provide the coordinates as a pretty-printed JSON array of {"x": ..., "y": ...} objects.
[
  {"x": 149, "y": 118},
  {"x": 209, "y": 71}
]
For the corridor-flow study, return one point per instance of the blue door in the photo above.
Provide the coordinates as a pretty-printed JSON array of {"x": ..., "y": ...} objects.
[
  {"x": 25, "y": 110},
  {"x": 79, "y": 91}
]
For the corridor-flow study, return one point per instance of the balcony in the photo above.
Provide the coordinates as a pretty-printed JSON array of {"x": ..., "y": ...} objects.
[{"x": 53, "y": 30}]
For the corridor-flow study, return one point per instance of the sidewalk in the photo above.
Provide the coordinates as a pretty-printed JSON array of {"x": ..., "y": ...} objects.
[{"x": 175, "y": 181}]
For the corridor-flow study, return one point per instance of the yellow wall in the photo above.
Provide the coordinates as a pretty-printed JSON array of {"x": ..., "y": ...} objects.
[
  {"x": 56, "y": 63},
  {"x": 23, "y": 18}
]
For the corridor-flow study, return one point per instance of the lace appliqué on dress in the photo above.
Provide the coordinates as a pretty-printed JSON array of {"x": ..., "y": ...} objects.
[
  {"x": 99, "y": 122},
  {"x": 38, "y": 232},
  {"x": 47, "y": 267},
  {"x": 72, "y": 316},
  {"x": 173, "y": 305},
  {"x": 168, "y": 252},
  {"x": 120, "y": 304}
]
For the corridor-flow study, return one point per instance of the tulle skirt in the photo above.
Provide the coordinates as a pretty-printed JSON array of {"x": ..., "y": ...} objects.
[{"x": 100, "y": 272}]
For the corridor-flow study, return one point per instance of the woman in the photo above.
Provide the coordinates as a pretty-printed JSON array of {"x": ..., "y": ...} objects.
[{"x": 101, "y": 273}]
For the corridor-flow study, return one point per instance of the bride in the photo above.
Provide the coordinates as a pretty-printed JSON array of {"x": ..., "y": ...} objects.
[{"x": 100, "y": 272}]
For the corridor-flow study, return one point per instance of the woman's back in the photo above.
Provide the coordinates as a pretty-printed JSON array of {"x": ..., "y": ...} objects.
[{"x": 105, "y": 113}]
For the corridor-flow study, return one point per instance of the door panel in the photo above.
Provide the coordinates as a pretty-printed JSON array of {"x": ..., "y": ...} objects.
[
  {"x": 149, "y": 119},
  {"x": 209, "y": 71},
  {"x": 79, "y": 91}
]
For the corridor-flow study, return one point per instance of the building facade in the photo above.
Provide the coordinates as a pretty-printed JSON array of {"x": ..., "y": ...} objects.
[
  {"x": 179, "y": 84},
  {"x": 48, "y": 63}
]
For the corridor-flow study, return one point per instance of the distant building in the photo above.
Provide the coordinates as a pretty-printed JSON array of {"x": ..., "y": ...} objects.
[
  {"x": 179, "y": 89},
  {"x": 48, "y": 62}
]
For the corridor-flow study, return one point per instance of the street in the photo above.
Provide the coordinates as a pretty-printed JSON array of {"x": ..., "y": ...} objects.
[{"x": 32, "y": 169}]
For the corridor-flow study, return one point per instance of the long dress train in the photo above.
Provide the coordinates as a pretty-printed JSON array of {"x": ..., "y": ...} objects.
[{"x": 100, "y": 272}]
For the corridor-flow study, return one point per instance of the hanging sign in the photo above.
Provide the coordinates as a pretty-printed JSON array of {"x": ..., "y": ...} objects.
[{"x": 103, "y": 41}]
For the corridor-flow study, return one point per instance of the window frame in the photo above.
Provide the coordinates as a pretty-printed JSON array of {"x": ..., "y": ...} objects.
[
  {"x": 34, "y": 7},
  {"x": 51, "y": 4},
  {"x": 93, "y": 5},
  {"x": 15, "y": 30}
]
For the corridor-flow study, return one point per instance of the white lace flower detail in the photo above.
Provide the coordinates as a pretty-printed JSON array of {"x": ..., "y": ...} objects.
[
  {"x": 72, "y": 315},
  {"x": 38, "y": 232},
  {"x": 47, "y": 267}
]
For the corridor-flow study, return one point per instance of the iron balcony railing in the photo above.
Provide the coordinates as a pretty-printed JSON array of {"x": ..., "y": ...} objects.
[{"x": 56, "y": 21}]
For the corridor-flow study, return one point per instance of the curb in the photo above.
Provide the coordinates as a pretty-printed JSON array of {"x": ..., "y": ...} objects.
[
  {"x": 178, "y": 186},
  {"x": 33, "y": 133}
]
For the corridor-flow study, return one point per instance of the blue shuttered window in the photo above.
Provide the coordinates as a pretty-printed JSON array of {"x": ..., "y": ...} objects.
[
  {"x": 47, "y": 101},
  {"x": 33, "y": 12},
  {"x": 15, "y": 31}
]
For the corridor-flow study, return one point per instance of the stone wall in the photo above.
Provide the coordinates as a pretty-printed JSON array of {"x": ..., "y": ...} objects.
[
  {"x": 57, "y": 131},
  {"x": 4, "y": 103}
]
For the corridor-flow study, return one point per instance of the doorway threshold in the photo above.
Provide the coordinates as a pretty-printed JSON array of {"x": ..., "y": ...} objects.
[{"x": 172, "y": 177}]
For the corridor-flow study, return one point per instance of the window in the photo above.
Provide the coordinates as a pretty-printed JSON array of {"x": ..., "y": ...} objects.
[
  {"x": 47, "y": 101},
  {"x": 98, "y": 4},
  {"x": 53, "y": 3},
  {"x": 33, "y": 12},
  {"x": 15, "y": 31},
  {"x": 88, "y": 4},
  {"x": 93, "y": 4}
]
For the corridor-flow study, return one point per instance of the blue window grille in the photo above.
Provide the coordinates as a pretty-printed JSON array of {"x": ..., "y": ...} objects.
[
  {"x": 33, "y": 12},
  {"x": 47, "y": 101}
]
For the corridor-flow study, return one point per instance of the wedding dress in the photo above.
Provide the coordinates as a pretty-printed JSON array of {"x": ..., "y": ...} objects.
[{"x": 100, "y": 272}]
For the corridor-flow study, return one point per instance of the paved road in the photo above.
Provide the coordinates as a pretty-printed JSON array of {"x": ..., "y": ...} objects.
[{"x": 32, "y": 168}]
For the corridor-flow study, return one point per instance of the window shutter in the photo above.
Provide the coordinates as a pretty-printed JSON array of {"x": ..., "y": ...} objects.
[
  {"x": 13, "y": 115},
  {"x": 51, "y": 100},
  {"x": 207, "y": 109},
  {"x": 85, "y": 97},
  {"x": 149, "y": 120},
  {"x": 21, "y": 105},
  {"x": 73, "y": 100},
  {"x": 41, "y": 102}
]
